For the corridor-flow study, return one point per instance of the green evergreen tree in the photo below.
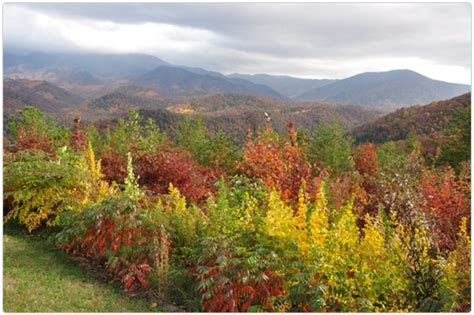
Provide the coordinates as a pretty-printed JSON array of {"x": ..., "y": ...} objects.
[
  {"x": 330, "y": 146},
  {"x": 191, "y": 134}
]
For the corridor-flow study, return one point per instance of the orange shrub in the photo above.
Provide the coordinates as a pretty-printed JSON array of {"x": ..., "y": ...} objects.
[{"x": 281, "y": 165}]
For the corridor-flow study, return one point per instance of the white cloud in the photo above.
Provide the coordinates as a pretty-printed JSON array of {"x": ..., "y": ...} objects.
[
  {"x": 306, "y": 40},
  {"x": 43, "y": 30}
]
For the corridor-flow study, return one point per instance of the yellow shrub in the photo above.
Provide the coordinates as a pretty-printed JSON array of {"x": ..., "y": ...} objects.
[
  {"x": 41, "y": 188},
  {"x": 381, "y": 270},
  {"x": 457, "y": 270},
  {"x": 304, "y": 228},
  {"x": 301, "y": 224},
  {"x": 98, "y": 188},
  {"x": 338, "y": 260},
  {"x": 183, "y": 220},
  {"x": 279, "y": 223},
  {"x": 319, "y": 220}
]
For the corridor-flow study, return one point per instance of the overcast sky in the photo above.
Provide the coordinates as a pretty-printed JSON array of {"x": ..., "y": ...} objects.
[{"x": 313, "y": 40}]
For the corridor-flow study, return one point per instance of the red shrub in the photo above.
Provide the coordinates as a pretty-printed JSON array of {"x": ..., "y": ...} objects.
[
  {"x": 106, "y": 236},
  {"x": 365, "y": 158},
  {"x": 342, "y": 188},
  {"x": 124, "y": 237},
  {"x": 446, "y": 200},
  {"x": 113, "y": 166},
  {"x": 26, "y": 140},
  {"x": 170, "y": 165},
  {"x": 280, "y": 165},
  {"x": 230, "y": 296}
]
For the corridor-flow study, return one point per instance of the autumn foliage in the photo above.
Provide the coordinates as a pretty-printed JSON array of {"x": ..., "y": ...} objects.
[
  {"x": 78, "y": 136},
  {"x": 280, "y": 164},
  {"x": 365, "y": 158},
  {"x": 27, "y": 140},
  {"x": 238, "y": 296},
  {"x": 287, "y": 224},
  {"x": 114, "y": 166},
  {"x": 446, "y": 200},
  {"x": 168, "y": 165}
]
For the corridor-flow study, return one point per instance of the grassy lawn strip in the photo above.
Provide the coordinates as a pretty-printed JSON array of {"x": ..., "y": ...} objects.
[{"x": 39, "y": 278}]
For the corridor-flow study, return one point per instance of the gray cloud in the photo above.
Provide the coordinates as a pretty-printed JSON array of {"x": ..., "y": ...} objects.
[{"x": 299, "y": 39}]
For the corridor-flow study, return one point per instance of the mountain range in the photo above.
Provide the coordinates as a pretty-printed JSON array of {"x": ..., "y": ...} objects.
[
  {"x": 102, "y": 88},
  {"x": 236, "y": 114},
  {"x": 102, "y": 65},
  {"x": 385, "y": 90},
  {"x": 95, "y": 75},
  {"x": 231, "y": 112},
  {"x": 288, "y": 86},
  {"x": 179, "y": 82}
]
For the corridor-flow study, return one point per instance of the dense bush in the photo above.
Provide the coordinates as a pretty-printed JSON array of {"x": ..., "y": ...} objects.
[
  {"x": 121, "y": 232},
  {"x": 297, "y": 224},
  {"x": 446, "y": 201},
  {"x": 42, "y": 186},
  {"x": 34, "y": 130},
  {"x": 281, "y": 164},
  {"x": 171, "y": 165}
]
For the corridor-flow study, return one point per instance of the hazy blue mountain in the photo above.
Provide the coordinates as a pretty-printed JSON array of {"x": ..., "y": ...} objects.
[
  {"x": 92, "y": 69},
  {"x": 288, "y": 86},
  {"x": 81, "y": 77},
  {"x": 54, "y": 74},
  {"x": 104, "y": 65},
  {"x": 202, "y": 71},
  {"x": 237, "y": 80},
  {"x": 386, "y": 90},
  {"x": 98, "y": 74},
  {"x": 62, "y": 75},
  {"x": 179, "y": 82}
]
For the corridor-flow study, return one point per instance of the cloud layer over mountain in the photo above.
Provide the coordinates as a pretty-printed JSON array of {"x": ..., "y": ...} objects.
[{"x": 317, "y": 40}]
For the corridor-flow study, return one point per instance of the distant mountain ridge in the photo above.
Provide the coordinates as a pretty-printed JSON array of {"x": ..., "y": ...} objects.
[
  {"x": 286, "y": 85},
  {"x": 385, "y": 90},
  {"x": 40, "y": 94},
  {"x": 179, "y": 82},
  {"x": 106, "y": 65},
  {"x": 95, "y": 75},
  {"x": 119, "y": 102},
  {"x": 231, "y": 112}
]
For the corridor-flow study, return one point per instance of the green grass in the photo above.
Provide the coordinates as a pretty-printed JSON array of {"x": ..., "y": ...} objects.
[{"x": 39, "y": 278}]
